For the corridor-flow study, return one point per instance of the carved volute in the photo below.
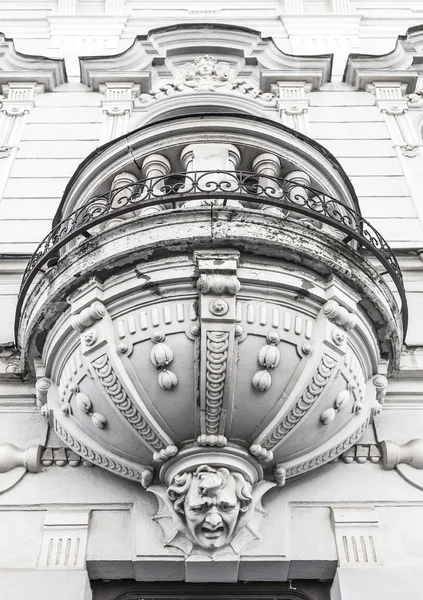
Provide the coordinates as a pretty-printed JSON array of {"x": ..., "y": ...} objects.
[{"x": 220, "y": 331}]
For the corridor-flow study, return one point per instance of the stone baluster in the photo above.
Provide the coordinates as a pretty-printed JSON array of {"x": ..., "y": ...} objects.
[
  {"x": 267, "y": 166},
  {"x": 155, "y": 167},
  {"x": 297, "y": 183},
  {"x": 122, "y": 191},
  {"x": 207, "y": 161}
]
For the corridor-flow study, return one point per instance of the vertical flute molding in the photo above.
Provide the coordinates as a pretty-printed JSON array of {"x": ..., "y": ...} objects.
[
  {"x": 114, "y": 7},
  {"x": 357, "y": 536},
  {"x": 117, "y": 108},
  {"x": 66, "y": 7},
  {"x": 294, "y": 6},
  {"x": 340, "y": 6},
  {"x": 293, "y": 104},
  {"x": 394, "y": 105},
  {"x": 64, "y": 541},
  {"x": 18, "y": 102}
]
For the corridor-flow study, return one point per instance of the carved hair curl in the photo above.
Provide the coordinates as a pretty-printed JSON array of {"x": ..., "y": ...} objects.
[
  {"x": 210, "y": 480},
  {"x": 205, "y": 58}
]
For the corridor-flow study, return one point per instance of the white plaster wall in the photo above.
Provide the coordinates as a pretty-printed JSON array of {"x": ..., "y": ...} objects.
[{"x": 62, "y": 128}]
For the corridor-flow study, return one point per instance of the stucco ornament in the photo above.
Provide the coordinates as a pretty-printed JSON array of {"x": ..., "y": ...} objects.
[
  {"x": 211, "y": 501},
  {"x": 210, "y": 510},
  {"x": 207, "y": 74}
]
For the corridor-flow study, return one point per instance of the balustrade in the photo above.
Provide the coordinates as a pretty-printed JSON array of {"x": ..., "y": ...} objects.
[
  {"x": 207, "y": 173},
  {"x": 155, "y": 167},
  {"x": 216, "y": 163}
]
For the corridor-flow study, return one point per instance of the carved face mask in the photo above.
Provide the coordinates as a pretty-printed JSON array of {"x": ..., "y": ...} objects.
[
  {"x": 205, "y": 67},
  {"x": 211, "y": 518}
]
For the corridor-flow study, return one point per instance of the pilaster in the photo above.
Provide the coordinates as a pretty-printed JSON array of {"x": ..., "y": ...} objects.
[
  {"x": 18, "y": 102},
  {"x": 394, "y": 104},
  {"x": 293, "y": 104},
  {"x": 117, "y": 108}
]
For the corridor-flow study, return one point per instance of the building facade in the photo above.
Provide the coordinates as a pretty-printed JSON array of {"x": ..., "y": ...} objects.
[{"x": 211, "y": 281}]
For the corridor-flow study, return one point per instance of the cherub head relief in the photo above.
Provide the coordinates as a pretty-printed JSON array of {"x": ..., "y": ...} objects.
[
  {"x": 206, "y": 74},
  {"x": 205, "y": 66},
  {"x": 211, "y": 501}
]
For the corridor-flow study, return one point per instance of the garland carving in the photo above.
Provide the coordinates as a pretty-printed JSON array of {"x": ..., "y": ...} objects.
[
  {"x": 104, "y": 371},
  {"x": 217, "y": 357},
  {"x": 306, "y": 401}
]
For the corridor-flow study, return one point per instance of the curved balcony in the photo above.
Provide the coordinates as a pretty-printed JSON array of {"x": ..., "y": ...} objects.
[
  {"x": 208, "y": 311},
  {"x": 287, "y": 198}
]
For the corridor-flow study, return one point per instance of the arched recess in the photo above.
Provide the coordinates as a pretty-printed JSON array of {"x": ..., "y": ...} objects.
[{"x": 202, "y": 104}]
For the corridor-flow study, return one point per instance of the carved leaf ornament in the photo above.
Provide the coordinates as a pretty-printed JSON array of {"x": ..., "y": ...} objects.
[{"x": 207, "y": 74}]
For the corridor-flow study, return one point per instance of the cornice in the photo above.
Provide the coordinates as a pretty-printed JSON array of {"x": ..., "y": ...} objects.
[
  {"x": 18, "y": 67},
  {"x": 86, "y": 24},
  {"x": 404, "y": 64},
  {"x": 162, "y": 50}
]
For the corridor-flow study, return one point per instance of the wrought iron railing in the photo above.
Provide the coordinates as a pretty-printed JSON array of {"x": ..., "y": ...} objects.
[{"x": 291, "y": 199}]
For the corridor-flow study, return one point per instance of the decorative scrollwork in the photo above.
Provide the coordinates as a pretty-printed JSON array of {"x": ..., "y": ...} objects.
[
  {"x": 104, "y": 371},
  {"x": 217, "y": 356},
  {"x": 308, "y": 398},
  {"x": 221, "y": 188}
]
